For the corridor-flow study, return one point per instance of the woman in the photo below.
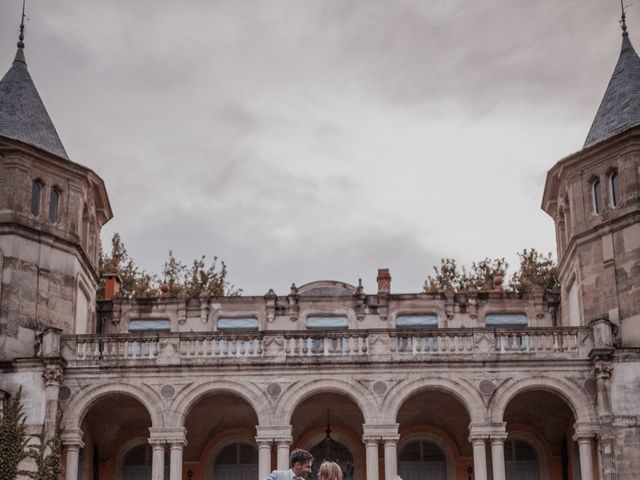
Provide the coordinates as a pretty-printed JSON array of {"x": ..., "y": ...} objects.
[{"x": 329, "y": 471}]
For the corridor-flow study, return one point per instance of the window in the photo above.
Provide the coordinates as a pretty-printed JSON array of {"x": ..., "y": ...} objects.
[
  {"x": 417, "y": 321},
  {"x": 327, "y": 323},
  {"x": 243, "y": 324},
  {"x": 36, "y": 192},
  {"x": 596, "y": 194},
  {"x": 54, "y": 200},
  {"x": 506, "y": 320},
  {"x": 150, "y": 325},
  {"x": 614, "y": 189}
]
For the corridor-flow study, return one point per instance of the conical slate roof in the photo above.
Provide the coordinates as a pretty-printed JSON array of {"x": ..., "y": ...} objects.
[
  {"x": 620, "y": 107},
  {"x": 23, "y": 116}
]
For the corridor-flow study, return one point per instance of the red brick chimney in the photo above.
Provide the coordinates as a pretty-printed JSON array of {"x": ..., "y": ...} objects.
[
  {"x": 112, "y": 283},
  {"x": 384, "y": 280}
]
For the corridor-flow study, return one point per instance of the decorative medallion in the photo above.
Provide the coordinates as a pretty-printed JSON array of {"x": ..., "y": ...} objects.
[
  {"x": 167, "y": 391},
  {"x": 64, "y": 393},
  {"x": 273, "y": 389},
  {"x": 380, "y": 388},
  {"x": 487, "y": 387}
]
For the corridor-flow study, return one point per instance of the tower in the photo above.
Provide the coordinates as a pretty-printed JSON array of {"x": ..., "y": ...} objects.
[
  {"x": 594, "y": 199},
  {"x": 51, "y": 212}
]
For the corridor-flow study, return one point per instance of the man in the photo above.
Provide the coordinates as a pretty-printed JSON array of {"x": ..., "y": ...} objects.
[{"x": 300, "y": 461}]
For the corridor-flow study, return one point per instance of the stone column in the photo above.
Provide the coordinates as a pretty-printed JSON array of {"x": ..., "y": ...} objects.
[
  {"x": 479, "y": 457},
  {"x": 586, "y": 462},
  {"x": 497, "y": 457},
  {"x": 175, "y": 472},
  {"x": 371, "y": 446},
  {"x": 282, "y": 448},
  {"x": 390, "y": 456},
  {"x": 264, "y": 457},
  {"x": 157, "y": 459},
  {"x": 72, "y": 440},
  {"x": 52, "y": 376}
]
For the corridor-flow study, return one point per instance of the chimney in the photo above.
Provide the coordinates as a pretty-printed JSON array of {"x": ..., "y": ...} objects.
[
  {"x": 112, "y": 283},
  {"x": 384, "y": 281}
]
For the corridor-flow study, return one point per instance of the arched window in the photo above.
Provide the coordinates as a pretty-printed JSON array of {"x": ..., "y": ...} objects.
[
  {"x": 520, "y": 459},
  {"x": 238, "y": 460},
  {"x": 596, "y": 196},
  {"x": 54, "y": 202},
  {"x": 422, "y": 459},
  {"x": 36, "y": 194},
  {"x": 614, "y": 188}
]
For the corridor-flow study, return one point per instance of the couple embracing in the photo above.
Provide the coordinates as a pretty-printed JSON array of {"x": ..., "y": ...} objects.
[{"x": 301, "y": 462}]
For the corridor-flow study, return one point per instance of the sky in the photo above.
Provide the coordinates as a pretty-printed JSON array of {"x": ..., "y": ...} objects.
[{"x": 303, "y": 140}]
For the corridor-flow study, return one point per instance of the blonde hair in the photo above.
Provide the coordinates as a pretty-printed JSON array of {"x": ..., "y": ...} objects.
[{"x": 330, "y": 471}]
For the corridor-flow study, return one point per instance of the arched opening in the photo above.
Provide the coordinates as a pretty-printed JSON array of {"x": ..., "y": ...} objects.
[
  {"x": 422, "y": 459},
  {"x": 136, "y": 464},
  {"x": 540, "y": 428},
  {"x": 329, "y": 425},
  {"x": 520, "y": 460},
  {"x": 237, "y": 461},
  {"x": 434, "y": 431},
  {"x": 114, "y": 425},
  {"x": 221, "y": 438}
]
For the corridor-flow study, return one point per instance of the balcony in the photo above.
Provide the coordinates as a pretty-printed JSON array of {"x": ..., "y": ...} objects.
[{"x": 300, "y": 347}]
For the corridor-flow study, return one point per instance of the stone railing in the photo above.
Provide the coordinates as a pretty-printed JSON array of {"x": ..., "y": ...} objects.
[{"x": 356, "y": 345}]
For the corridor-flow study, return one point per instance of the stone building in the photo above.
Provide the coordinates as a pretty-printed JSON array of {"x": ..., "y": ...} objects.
[{"x": 446, "y": 385}]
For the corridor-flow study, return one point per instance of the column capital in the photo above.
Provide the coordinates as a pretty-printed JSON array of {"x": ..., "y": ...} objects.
[
  {"x": 172, "y": 436},
  {"x": 72, "y": 437},
  {"x": 585, "y": 430},
  {"x": 380, "y": 430},
  {"x": 260, "y": 440},
  {"x": 481, "y": 431},
  {"x": 371, "y": 439},
  {"x": 390, "y": 439},
  {"x": 277, "y": 433}
]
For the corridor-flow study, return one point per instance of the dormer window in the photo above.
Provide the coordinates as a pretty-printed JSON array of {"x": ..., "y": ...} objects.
[
  {"x": 614, "y": 188},
  {"x": 36, "y": 194},
  {"x": 596, "y": 196},
  {"x": 417, "y": 321},
  {"x": 54, "y": 202},
  {"x": 238, "y": 324}
]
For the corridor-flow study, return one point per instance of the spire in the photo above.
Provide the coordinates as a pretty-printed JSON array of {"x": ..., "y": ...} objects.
[
  {"x": 20, "y": 52},
  {"x": 23, "y": 116},
  {"x": 620, "y": 106}
]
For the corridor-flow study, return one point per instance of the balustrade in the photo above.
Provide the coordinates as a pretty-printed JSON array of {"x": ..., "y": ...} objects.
[{"x": 386, "y": 345}]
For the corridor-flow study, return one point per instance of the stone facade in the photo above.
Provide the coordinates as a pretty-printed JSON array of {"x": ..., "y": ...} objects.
[{"x": 456, "y": 385}]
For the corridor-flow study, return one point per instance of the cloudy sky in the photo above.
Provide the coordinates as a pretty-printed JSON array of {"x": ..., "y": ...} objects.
[{"x": 301, "y": 140}]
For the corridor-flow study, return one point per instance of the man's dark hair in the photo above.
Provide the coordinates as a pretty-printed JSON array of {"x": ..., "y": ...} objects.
[{"x": 299, "y": 456}]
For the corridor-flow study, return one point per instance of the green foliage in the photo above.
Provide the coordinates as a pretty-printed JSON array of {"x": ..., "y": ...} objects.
[
  {"x": 480, "y": 276},
  {"x": 182, "y": 280},
  {"x": 46, "y": 453},
  {"x": 536, "y": 271},
  {"x": 13, "y": 438}
]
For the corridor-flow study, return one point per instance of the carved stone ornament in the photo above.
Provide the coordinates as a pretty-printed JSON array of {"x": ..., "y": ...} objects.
[
  {"x": 602, "y": 369},
  {"x": 52, "y": 376}
]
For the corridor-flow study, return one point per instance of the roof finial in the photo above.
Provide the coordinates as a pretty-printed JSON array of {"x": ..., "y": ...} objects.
[
  {"x": 623, "y": 21},
  {"x": 21, "y": 36}
]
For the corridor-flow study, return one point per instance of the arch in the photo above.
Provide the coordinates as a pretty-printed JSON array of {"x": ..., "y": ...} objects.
[
  {"x": 185, "y": 401},
  {"x": 353, "y": 391},
  {"x": 79, "y": 405},
  {"x": 467, "y": 396},
  {"x": 324, "y": 288},
  {"x": 122, "y": 453},
  {"x": 350, "y": 441},
  {"x": 217, "y": 443},
  {"x": 542, "y": 450},
  {"x": 575, "y": 398},
  {"x": 441, "y": 440}
]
